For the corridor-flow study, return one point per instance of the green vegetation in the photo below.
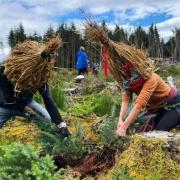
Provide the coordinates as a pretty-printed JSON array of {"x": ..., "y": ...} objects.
[
  {"x": 57, "y": 90},
  {"x": 92, "y": 118},
  {"x": 106, "y": 131},
  {"x": 103, "y": 104},
  {"x": 105, "y": 79},
  {"x": 171, "y": 70},
  {"x": 121, "y": 174},
  {"x": 18, "y": 161},
  {"x": 99, "y": 104},
  {"x": 70, "y": 148},
  {"x": 148, "y": 159}
]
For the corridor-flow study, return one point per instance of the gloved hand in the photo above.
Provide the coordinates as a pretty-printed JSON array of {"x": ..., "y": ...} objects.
[{"x": 63, "y": 130}]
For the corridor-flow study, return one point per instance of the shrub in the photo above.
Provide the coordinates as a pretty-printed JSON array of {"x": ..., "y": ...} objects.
[
  {"x": 105, "y": 79},
  {"x": 106, "y": 131},
  {"x": 100, "y": 104},
  {"x": 103, "y": 104},
  {"x": 82, "y": 109},
  {"x": 56, "y": 86},
  {"x": 18, "y": 161},
  {"x": 70, "y": 148},
  {"x": 169, "y": 71},
  {"x": 59, "y": 95}
]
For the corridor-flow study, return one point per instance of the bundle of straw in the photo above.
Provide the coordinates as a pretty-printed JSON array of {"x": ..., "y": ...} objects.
[
  {"x": 119, "y": 54},
  {"x": 26, "y": 68}
]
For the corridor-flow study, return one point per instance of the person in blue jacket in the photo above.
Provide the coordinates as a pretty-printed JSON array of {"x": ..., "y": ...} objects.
[{"x": 82, "y": 62}]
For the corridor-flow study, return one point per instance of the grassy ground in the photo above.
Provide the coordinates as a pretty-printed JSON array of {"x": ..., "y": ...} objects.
[{"x": 91, "y": 112}]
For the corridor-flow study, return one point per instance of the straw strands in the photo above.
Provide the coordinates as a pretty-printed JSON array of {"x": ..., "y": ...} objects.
[
  {"x": 119, "y": 54},
  {"x": 26, "y": 68}
]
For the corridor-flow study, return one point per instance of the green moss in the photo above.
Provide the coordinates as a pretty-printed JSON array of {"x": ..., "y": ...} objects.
[
  {"x": 19, "y": 130},
  {"x": 121, "y": 174},
  {"x": 43, "y": 136},
  {"x": 148, "y": 159},
  {"x": 82, "y": 109}
]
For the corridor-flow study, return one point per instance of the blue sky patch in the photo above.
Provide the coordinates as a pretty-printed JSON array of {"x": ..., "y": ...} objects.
[{"x": 152, "y": 19}]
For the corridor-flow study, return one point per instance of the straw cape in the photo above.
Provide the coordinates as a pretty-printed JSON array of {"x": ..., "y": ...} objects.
[
  {"x": 120, "y": 54},
  {"x": 28, "y": 67}
]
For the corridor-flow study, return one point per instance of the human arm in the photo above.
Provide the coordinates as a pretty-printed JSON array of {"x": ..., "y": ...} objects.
[
  {"x": 53, "y": 110},
  {"x": 50, "y": 104},
  {"x": 121, "y": 131},
  {"x": 140, "y": 103},
  {"x": 124, "y": 106}
]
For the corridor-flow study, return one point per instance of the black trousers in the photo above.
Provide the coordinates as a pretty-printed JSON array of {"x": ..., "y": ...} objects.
[
  {"x": 168, "y": 119},
  {"x": 82, "y": 71}
]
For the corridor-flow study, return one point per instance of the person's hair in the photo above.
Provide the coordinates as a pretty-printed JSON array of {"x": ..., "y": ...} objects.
[
  {"x": 82, "y": 48},
  {"x": 28, "y": 66}
]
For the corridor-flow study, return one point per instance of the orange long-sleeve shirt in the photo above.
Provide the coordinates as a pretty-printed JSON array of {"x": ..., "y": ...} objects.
[{"x": 153, "y": 93}]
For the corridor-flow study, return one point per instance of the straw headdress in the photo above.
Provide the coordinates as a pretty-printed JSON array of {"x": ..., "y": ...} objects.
[
  {"x": 120, "y": 54},
  {"x": 28, "y": 67}
]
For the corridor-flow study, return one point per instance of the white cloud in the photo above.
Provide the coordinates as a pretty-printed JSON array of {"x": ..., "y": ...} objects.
[
  {"x": 39, "y": 14},
  {"x": 3, "y": 54},
  {"x": 166, "y": 28}
]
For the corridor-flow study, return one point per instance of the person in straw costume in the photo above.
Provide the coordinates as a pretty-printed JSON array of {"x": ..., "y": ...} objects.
[
  {"x": 25, "y": 72},
  {"x": 133, "y": 72}
]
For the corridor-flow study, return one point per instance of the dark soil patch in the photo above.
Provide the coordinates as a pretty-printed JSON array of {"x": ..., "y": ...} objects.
[{"x": 93, "y": 164}]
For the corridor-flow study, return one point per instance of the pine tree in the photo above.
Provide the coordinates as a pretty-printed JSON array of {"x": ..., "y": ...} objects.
[
  {"x": 162, "y": 46},
  {"x": 151, "y": 41},
  {"x": 11, "y": 38},
  {"x": 103, "y": 24},
  {"x": 21, "y": 34},
  {"x": 154, "y": 42},
  {"x": 119, "y": 34},
  {"x": 16, "y": 36},
  {"x": 177, "y": 45},
  {"x": 139, "y": 38},
  {"x": 169, "y": 47},
  {"x": 35, "y": 37},
  {"x": 49, "y": 33},
  {"x": 71, "y": 43},
  {"x": 157, "y": 43}
]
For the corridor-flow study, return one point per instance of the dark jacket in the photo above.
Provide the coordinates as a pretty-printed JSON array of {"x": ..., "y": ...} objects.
[{"x": 9, "y": 101}]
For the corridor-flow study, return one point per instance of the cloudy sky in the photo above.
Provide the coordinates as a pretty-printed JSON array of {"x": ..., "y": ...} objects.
[{"x": 39, "y": 14}]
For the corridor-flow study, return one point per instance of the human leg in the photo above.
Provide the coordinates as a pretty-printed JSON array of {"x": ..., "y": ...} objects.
[
  {"x": 6, "y": 114},
  {"x": 169, "y": 120},
  {"x": 39, "y": 109},
  {"x": 80, "y": 71}
]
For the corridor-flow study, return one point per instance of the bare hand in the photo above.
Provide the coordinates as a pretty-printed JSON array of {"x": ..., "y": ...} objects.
[
  {"x": 120, "y": 122},
  {"x": 121, "y": 131},
  {"x": 27, "y": 109}
]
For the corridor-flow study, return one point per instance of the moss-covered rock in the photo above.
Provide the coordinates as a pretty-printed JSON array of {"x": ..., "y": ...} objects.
[
  {"x": 86, "y": 124},
  {"x": 149, "y": 158},
  {"x": 19, "y": 130}
]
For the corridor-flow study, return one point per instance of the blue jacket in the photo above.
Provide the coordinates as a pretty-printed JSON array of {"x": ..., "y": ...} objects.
[{"x": 81, "y": 60}]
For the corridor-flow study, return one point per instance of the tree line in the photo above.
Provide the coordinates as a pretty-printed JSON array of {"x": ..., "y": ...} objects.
[{"x": 72, "y": 39}]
